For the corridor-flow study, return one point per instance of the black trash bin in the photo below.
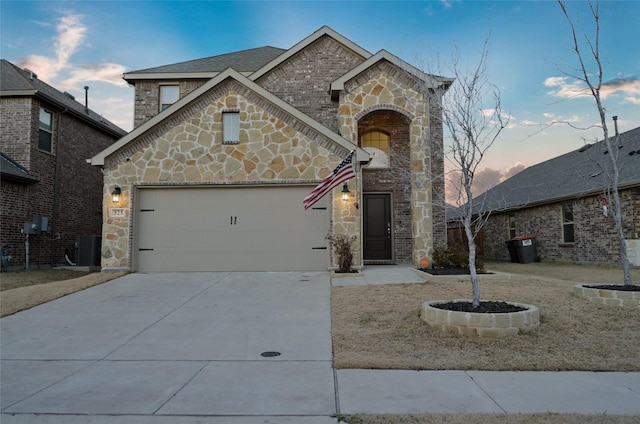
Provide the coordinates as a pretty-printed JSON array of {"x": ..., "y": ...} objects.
[
  {"x": 513, "y": 250},
  {"x": 526, "y": 247}
]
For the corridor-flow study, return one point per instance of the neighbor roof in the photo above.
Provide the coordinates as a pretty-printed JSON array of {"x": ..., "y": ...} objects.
[
  {"x": 572, "y": 175},
  {"x": 11, "y": 170},
  {"x": 244, "y": 61},
  {"x": 16, "y": 82}
]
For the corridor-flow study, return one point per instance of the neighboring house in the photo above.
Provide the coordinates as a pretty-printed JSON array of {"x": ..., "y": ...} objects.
[
  {"x": 225, "y": 149},
  {"x": 45, "y": 139},
  {"x": 561, "y": 202}
]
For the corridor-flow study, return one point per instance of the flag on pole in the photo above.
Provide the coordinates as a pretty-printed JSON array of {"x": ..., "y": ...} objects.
[{"x": 344, "y": 172}]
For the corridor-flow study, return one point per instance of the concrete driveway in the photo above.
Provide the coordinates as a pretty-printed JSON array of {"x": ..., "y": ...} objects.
[{"x": 174, "y": 348}]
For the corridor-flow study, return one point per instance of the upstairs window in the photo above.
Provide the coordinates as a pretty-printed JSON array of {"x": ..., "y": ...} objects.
[
  {"x": 45, "y": 133},
  {"x": 230, "y": 127},
  {"x": 169, "y": 94},
  {"x": 512, "y": 225},
  {"x": 567, "y": 223},
  {"x": 376, "y": 143}
]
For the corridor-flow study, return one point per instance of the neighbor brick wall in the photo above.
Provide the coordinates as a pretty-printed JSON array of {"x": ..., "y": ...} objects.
[
  {"x": 16, "y": 128},
  {"x": 79, "y": 185},
  {"x": 596, "y": 240}
]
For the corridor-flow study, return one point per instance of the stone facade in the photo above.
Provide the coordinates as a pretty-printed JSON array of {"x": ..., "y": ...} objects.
[
  {"x": 385, "y": 87},
  {"x": 596, "y": 240},
  {"x": 275, "y": 148}
]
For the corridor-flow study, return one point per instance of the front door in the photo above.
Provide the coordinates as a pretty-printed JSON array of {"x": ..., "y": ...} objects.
[{"x": 377, "y": 227}]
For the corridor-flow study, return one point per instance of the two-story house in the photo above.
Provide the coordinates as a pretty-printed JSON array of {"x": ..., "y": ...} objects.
[
  {"x": 50, "y": 194},
  {"x": 225, "y": 148}
]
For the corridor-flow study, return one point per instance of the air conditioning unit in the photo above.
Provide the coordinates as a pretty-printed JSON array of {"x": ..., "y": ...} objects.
[{"x": 89, "y": 248}]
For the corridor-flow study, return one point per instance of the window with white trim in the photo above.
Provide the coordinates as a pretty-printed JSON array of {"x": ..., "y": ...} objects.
[
  {"x": 230, "y": 127},
  {"x": 567, "y": 223},
  {"x": 45, "y": 131},
  {"x": 169, "y": 94},
  {"x": 376, "y": 143}
]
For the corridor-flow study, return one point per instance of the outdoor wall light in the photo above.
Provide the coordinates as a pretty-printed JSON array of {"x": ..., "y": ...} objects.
[
  {"x": 115, "y": 194},
  {"x": 345, "y": 192}
]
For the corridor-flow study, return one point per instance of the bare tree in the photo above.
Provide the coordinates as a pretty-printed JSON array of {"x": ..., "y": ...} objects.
[
  {"x": 590, "y": 72},
  {"x": 472, "y": 129}
]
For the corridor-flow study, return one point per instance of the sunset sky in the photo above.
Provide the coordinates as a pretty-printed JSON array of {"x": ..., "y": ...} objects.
[{"x": 71, "y": 44}]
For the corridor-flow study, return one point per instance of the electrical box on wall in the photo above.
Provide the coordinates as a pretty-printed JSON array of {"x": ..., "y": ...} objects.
[
  {"x": 42, "y": 222},
  {"x": 31, "y": 228}
]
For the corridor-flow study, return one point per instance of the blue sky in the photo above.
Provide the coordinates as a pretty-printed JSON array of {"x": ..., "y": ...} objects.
[{"x": 71, "y": 44}]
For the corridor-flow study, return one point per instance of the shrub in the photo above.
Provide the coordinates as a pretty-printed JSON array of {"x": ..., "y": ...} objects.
[
  {"x": 454, "y": 257},
  {"x": 343, "y": 244}
]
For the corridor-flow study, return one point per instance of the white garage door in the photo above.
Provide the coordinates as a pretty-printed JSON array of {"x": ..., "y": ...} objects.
[{"x": 229, "y": 229}]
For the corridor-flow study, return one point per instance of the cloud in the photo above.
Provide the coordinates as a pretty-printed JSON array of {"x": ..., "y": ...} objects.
[
  {"x": 568, "y": 88},
  {"x": 483, "y": 180},
  {"x": 106, "y": 72},
  {"x": 59, "y": 70}
]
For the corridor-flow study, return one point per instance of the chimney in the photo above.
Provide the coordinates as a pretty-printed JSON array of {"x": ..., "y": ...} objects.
[
  {"x": 615, "y": 124},
  {"x": 86, "y": 98}
]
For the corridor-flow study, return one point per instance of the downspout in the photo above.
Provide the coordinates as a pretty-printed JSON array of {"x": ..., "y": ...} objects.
[{"x": 56, "y": 189}]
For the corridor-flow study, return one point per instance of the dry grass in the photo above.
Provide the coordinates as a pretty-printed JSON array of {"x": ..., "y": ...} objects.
[
  {"x": 27, "y": 289},
  {"x": 491, "y": 419},
  {"x": 379, "y": 326}
]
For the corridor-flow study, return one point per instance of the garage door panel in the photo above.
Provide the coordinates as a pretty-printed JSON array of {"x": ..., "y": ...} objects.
[{"x": 226, "y": 229}]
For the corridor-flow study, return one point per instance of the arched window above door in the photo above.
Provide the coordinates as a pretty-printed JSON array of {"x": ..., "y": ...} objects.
[{"x": 376, "y": 143}]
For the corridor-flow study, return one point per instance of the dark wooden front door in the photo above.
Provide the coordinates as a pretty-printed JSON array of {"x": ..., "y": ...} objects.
[{"x": 377, "y": 227}]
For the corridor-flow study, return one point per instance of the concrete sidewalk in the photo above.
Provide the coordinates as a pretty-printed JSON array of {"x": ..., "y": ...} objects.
[{"x": 230, "y": 348}]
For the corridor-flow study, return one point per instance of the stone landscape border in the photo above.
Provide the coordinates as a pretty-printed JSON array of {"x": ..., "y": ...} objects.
[
  {"x": 618, "y": 298},
  {"x": 481, "y": 324}
]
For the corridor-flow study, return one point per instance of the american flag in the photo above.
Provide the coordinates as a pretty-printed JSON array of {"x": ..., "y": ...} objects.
[{"x": 344, "y": 172}]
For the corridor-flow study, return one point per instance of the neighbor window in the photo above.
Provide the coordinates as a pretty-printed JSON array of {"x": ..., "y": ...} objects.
[
  {"x": 230, "y": 127},
  {"x": 376, "y": 143},
  {"x": 567, "y": 223},
  {"x": 512, "y": 226},
  {"x": 45, "y": 133},
  {"x": 169, "y": 94}
]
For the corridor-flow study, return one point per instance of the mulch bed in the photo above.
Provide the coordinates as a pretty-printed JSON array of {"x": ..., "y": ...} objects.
[
  {"x": 449, "y": 271},
  {"x": 618, "y": 287},
  {"x": 485, "y": 307}
]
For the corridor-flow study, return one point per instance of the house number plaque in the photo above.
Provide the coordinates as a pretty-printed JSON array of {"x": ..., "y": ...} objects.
[{"x": 118, "y": 213}]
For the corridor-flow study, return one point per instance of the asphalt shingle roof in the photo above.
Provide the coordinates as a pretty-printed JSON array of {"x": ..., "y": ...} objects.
[
  {"x": 13, "y": 171},
  {"x": 571, "y": 175},
  {"x": 16, "y": 81},
  {"x": 243, "y": 61}
]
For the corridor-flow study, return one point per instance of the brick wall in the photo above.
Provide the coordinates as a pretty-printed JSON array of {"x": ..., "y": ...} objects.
[
  {"x": 16, "y": 128},
  {"x": 304, "y": 80},
  {"x": 68, "y": 191},
  {"x": 147, "y": 97},
  {"x": 596, "y": 240},
  {"x": 396, "y": 179}
]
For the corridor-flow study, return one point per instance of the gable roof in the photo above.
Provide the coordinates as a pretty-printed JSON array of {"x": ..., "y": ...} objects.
[
  {"x": 11, "y": 170},
  {"x": 432, "y": 81},
  {"x": 321, "y": 32},
  {"x": 229, "y": 73},
  {"x": 16, "y": 82},
  {"x": 569, "y": 176},
  {"x": 244, "y": 61}
]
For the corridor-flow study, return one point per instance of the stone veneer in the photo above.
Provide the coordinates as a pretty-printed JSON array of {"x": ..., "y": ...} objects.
[
  {"x": 386, "y": 87},
  {"x": 187, "y": 149}
]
